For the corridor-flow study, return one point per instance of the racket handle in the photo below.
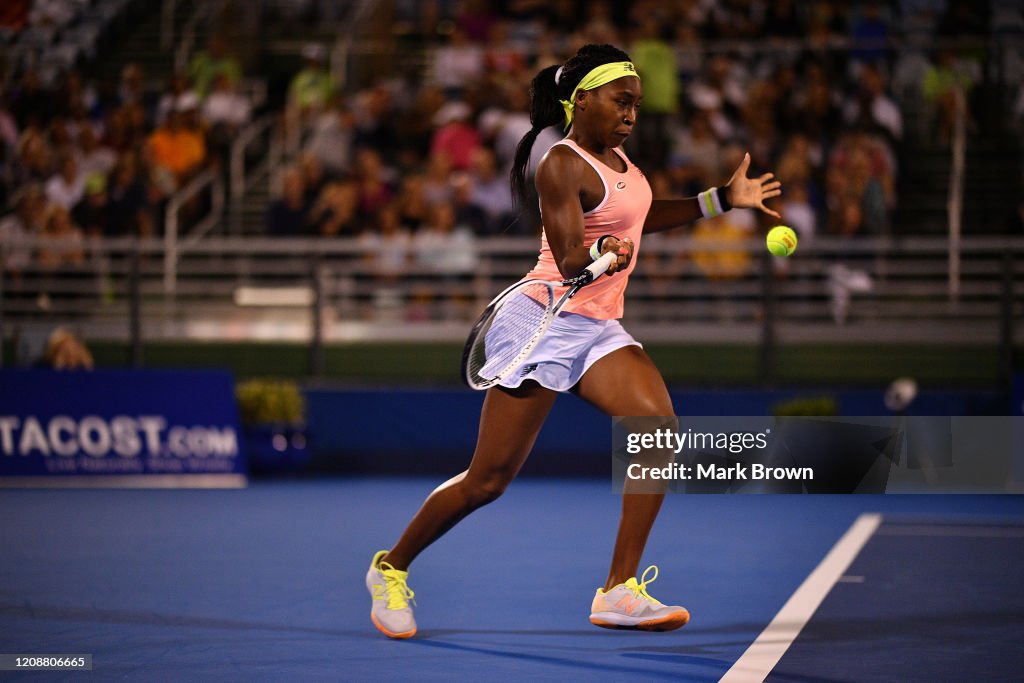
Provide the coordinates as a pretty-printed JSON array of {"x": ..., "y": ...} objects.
[{"x": 600, "y": 266}]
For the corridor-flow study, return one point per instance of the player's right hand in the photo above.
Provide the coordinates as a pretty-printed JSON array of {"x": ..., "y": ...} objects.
[{"x": 624, "y": 248}]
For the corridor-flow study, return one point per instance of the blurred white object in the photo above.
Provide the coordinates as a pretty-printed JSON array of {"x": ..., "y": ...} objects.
[
  {"x": 842, "y": 283},
  {"x": 900, "y": 394}
]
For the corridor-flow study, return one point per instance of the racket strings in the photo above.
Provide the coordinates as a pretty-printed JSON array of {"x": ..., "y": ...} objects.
[{"x": 511, "y": 329}]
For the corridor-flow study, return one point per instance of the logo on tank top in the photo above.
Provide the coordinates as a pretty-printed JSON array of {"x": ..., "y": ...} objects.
[
  {"x": 527, "y": 369},
  {"x": 621, "y": 185}
]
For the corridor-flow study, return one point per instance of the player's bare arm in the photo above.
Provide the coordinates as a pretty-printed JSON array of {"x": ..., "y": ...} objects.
[
  {"x": 741, "y": 192},
  {"x": 565, "y": 184}
]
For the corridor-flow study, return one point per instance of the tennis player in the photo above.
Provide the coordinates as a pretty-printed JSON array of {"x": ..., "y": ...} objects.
[{"x": 593, "y": 201}]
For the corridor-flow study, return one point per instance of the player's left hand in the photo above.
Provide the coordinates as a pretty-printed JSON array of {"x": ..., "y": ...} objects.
[{"x": 750, "y": 193}]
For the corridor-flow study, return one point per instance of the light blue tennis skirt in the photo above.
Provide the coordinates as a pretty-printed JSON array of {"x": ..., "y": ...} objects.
[{"x": 571, "y": 345}]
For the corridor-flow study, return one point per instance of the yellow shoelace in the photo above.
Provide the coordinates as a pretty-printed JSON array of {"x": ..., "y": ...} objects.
[
  {"x": 395, "y": 586},
  {"x": 640, "y": 588}
]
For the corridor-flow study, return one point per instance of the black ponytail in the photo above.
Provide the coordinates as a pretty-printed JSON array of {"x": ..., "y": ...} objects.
[{"x": 546, "y": 108}]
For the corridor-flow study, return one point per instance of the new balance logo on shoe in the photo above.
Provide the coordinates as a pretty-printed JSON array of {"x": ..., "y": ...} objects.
[{"x": 629, "y": 605}]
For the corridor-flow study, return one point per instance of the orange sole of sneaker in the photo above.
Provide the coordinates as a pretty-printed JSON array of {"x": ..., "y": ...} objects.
[
  {"x": 392, "y": 634},
  {"x": 667, "y": 623}
]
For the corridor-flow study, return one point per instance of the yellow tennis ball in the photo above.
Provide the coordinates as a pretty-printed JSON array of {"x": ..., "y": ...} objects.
[{"x": 781, "y": 240}]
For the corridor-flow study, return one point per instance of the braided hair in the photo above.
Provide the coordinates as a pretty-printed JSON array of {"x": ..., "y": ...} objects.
[{"x": 545, "y": 106}]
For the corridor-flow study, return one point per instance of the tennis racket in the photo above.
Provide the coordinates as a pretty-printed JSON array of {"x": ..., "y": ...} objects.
[{"x": 514, "y": 322}]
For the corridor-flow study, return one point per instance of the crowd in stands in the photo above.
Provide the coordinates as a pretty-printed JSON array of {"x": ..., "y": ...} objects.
[
  {"x": 82, "y": 159},
  {"x": 420, "y": 158},
  {"x": 820, "y": 112}
]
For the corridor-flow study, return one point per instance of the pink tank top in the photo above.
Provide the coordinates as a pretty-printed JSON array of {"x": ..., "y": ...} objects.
[{"x": 622, "y": 212}]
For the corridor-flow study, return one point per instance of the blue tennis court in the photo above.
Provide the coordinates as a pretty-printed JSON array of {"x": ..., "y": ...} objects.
[{"x": 266, "y": 583}]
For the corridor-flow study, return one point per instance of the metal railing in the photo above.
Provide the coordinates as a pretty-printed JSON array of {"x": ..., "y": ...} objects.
[
  {"x": 175, "y": 244},
  {"x": 317, "y": 290},
  {"x": 260, "y": 132}
]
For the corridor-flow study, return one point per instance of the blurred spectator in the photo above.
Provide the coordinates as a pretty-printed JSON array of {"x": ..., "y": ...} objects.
[
  {"x": 311, "y": 89},
  {"x": 456, "y": 64},
  {"x": 656, "y": 64},
  {"x": 489, "y": 191},
  {"x": 66, "y": 187},
  {"x": 416, "y": 125},
  {"x": 288, "y": 216},
  {"x": 334, "y": 212},
  {"x": 815, "y": 106},
  {"x": 224, "y": 113},
  {"x": 225, "y": 109},
  {"x": 28, "y": 220},
  {"x": 129, "y": 200},
  {"x": 177, "y": 146},
  {"x": 870, "y": 108},
  {"x": 387, "y": 245},
  {"x": 861, "y": 186},
  {"x": 67, "y": 243},
  {"x": 331, "y": 140},
  {"x": 456, "y": 137},
  {"x": 177, "y": 91},
  {"x": 65, "y": 350},
  {"x": 437, "y": 185},
  {"x": 695, "y": 159},
  {"x": 411, "y": 204},
  {"x": 717, "y": 262},
  {"x": 374, "y": 188},
  {"x": 760, "y": 133},
  {"x": 947, "y": 82},
  {"x": 73, "y": 97},
  {"x": 60, "y": 137},
  {"x": 721, "y": 93},
  {"x": 35, "y": 158},
  {"x": 93, "y": 213},
  {"x": 93, "y": 156},
  {"x": 512, "y": 123},
  {"x": 443, "y": 246},
  {"x": 375, "y": 121},
  {"x": 801, "y": 165},
  {"x": 313, "y": 178},
  {"x": 467, "y": 214},
  {"x": 215, "y": 62},
  {"x": 132, "y": 87},
  {"x": 846, "y": 218},
  {"x": 795, "y": 205}
]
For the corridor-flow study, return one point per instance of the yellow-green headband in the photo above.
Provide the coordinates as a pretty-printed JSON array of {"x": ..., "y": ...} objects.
[{"x": 606, "y": 73}]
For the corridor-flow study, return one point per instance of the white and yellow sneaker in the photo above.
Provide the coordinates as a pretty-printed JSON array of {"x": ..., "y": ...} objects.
[
  {"x": 391, "y": 594},
  {"x": 629, "y": 606}
]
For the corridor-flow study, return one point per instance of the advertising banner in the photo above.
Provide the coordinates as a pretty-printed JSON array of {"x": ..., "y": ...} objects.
[{"x": 144, "y": 428}]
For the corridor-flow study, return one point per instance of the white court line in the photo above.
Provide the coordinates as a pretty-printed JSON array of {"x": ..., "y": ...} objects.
[
  {"x": 764, "y": 653},
  {"x": 968, "y": 531}
]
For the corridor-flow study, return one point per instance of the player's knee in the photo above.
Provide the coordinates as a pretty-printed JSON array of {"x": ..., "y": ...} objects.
[{"x": 483, "y": 490}]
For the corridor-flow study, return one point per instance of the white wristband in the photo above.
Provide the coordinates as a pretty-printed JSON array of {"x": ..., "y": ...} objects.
[
  {"x": 595, "y": 248},
  {"x": 710, "y": 203}
]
